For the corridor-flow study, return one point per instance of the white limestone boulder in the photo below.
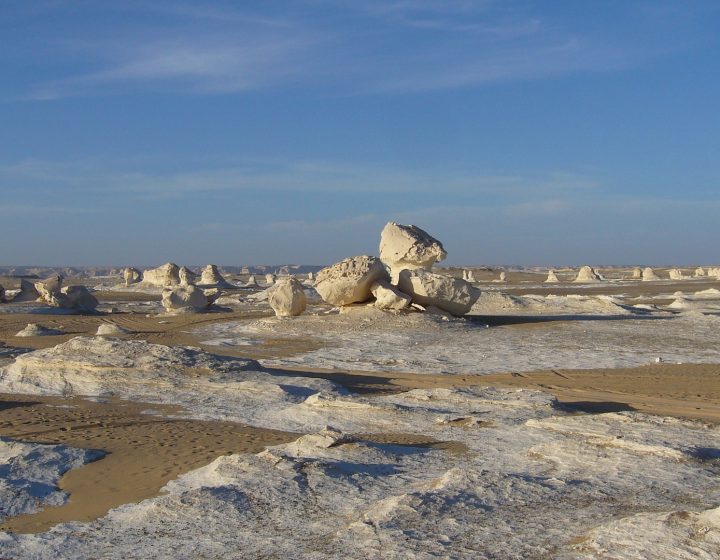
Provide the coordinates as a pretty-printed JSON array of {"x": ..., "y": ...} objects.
[
  {"x": 269, "y": 279},
  {"x": 636, "y": 273},
  {"x": 389, "y": 297},
  {"x": 675, "y": 274},
  {"x": 111, "y": 329},
  {"x": 27, "y": 292},
  {"x": 184, "y": 299},
  {"x": 78, "y": 298},
  {"x": 454, "y": 295},
  {"x": 211, "y": 276},
  {"x": 132, "y": 276},
  {"x": 163, "y": 276},
  {"x": 699, "y": 272},
  {"x": 350, "y": 280},
  {"x": 551, "y": 277},
  {"x": 648, "y": 274},
  {"x": 287, "y": 297},
  {"x": 587, "y": 274},
  {"x": 35, "y": 329},
  {"x": 408, "y": 247}
]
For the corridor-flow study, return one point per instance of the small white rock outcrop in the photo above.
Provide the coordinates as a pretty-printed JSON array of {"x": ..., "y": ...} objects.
[
  {"x": 211, "y": 276},
  {"x": 454, "y": 295},
  {"x": 389, "y": 297},
  {"x": 551, "y": 277},
  {"x": 184, "y": 299},
  {"x": 27, "y": 292},
  {"x": 269, "y": 279},
  {"x": 587, "y": 274},
  {"x": 35, "y": 329},
  {"x": 636, "y": 273},
  {"x": 131, "y": 276},
  {"x": 675, "y": 274},
  {"x": 111, "y": 329},
  {"x": 699, "y": 272},
  {"x": 163, "y": 276},
  {"x": 350, "y": 280},
  {"x": 408, "y": 247},
  {"x": 77, "y": 298},
  {"x": 187, "y": 276},
  {"x": 649, "y": 274},
  {"x": 287, "y": 297}
]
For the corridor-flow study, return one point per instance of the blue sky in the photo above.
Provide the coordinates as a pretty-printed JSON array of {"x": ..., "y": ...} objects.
[{"x": 137, "y": 132}]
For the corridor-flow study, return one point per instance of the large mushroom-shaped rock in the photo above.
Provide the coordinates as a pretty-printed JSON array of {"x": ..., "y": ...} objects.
[
  {"x": 699, "y": 272},
  {"x": 551, "y": 277},
  {"x": 131, "y": 276},
  {"x": 187, "y": 276},
  {"x": 27, "y": 292},
  {"x": 184, "y": 299},
  {"x": 587, "y": 274},
  {"x": 454, "y": 295},
  {"x": 648, "y": 274},
  {"x": 211, "y": 276},
  {"x": 408, "y": 247},
  {"x": 675, "y": 274},
  {"x": 350, "y": 280},
  {"x": 389, "y": 297},
  {"x": 287, "y": 297},
  {"x": 163, "y": 276}
]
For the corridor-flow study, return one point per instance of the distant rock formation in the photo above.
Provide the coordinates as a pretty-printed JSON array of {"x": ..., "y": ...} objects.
[
  {"x": 252, "y": 283},
  {"x": 552, "y": 277},
  {"x": 287, "y": 297},
  {"x": 211, "y": 276},
  {"x": 675, "y": 274},
  {"x": 184, "y": 299},
  {"x": 162, "y": 276},
  {"x": 408, "y": 247},
  {"x": 637, "y": 273},
  {"x": 350, "y": 280},
  {"x": 187, "y": 276},
  {"x": 649, "y": 274},
  {"x": 699, "y": 272},
  {"x": 131, "y": 276},
  {"x": 587, "y": 274},
  {"x": 27, "y": 292},
  {"x": 388, "y": 297},
  {"x": 35, "y": 329},
  {"x": 454, "y": 295},
  {"x": 77, "y": 298},
  {"x": 269, "y": 279}
]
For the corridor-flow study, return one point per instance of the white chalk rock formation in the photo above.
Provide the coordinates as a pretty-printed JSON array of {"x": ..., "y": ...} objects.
[
  {"x": 252, "y": 283},
  {"x": 699, "y": 272},
  {"x": 649, "y": 274},
  {"x": 287, "y": 297},
  {"x": 211, "y": 277},
  {"x": 269, "y": 279},
  {"x": 163, "y": 276},
  {"x": 131, "y": 276},
  {"x": 636, "y": 273},
  {"x": 310, "y": 276},
  {"x": 78, "y": 298},
  {"x": 454, "y": 295},
  {"x": 27, "y": 292},
  {"x": 34, "y": 329},
  {"x": 502, "y": 278},
  {"x": 350, "y": 280},
  {"x": 388, "y": 297},
  {"x": 587, "y": 274},
  {"x": 551, "y": 277},
  {"x": 184, "y": 299},
  {"x": 408, "y": 247},
  {"x": 111, "y": 329},
  {"x": 187, "y": 276},
  {"x": 713, "y": 272},
  {"x": 49, "y": 289},
  {"x": 468, "y": 276},
  {"x": 675, "y": 274}
]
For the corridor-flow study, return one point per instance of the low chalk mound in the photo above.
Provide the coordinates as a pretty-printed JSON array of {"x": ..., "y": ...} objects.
[
  {"x": 648, "y": 274},
  {"x": 35, "y": 329},
  {"x": 111, "y": 329},
  {"x": 587, "y": 274}
]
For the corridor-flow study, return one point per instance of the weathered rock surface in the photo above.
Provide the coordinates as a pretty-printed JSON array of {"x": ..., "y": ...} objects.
[
  {"x": 648, "y": 274},
  {"x": 552, "y": 277},
  {"x": 675, "y": 274},
  {"x": 269, "y": 279},
  {"x": 211, "y": 276},
  {"x": 587, "y": 274},
  {"x": 350, "y": 280},
  {"x": 78, "y": 298},
  {"x": 27, "y": 292},
  {"x": 35, "y": 329},
  {"x": 132, "y": 276},
  {"x": 163, "y": 276},
  {"x": 389, "y": 297},
  {"x": 111, "y": 329},
  {"x": 187, "y": 276},
  {"x": 699, "y": 272},
  {"x": 637, "y": 273},
  {"x": 408, "y": 247},
  {"x": 184, "y": 299},
  {"x": 287, "y": 297},
  {"x": 454, "y": 295}
]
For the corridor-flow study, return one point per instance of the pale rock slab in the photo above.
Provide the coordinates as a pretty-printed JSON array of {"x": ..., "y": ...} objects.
[
  {"x": 211, "y": 276},
  {"x": 350, "y": 280},
  {"x": 454, "y": 295},
  {"x": 502, "y": 278},
  {"x": 131, "y": 276},
  {"x": 587, "y": 274},
  {"x": 78, "y": 298},
  {"x": 287, "y": 297},
  {"x": 184, "y": 299},
  {"x": 388, "y": 297},
  {"x": 253, "y": 283},
  {"x": 408, "y": 247},
  {"x": 163, "y": 276},
  {"x": 649, "y": 274},
  {"x": 187, "y": 276}
]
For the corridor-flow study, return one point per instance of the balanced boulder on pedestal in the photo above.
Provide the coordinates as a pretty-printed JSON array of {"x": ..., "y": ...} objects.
[{"x": 408, "y": 248}]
